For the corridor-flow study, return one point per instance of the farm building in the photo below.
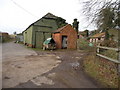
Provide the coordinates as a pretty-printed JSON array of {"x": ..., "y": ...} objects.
[
  {"x": 4, "y": 36},
  {"x": 99, "y": 37},
  {"x": 39, "y": 31},
  {"x": 12, "y": 36},
  {"x": 19, "y": 37},
  {"x": 65, "y": 37}
]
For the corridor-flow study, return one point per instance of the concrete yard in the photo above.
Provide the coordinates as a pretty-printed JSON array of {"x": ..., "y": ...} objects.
[{"x": 25, "y": 68}]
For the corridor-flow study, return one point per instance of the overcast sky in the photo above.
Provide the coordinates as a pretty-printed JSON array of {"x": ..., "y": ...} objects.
[{"x": 17, "y": 15}]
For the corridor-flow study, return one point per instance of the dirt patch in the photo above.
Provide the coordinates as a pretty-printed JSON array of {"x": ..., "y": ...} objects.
[
  {"x": 68, "y": 74},
  {"x": 46, "y": 69},
  {"x": 21, "y": 65},
  {"x": 24, "y": 70}
]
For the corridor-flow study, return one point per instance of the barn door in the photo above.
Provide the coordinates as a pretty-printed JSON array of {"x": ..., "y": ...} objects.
[
  {"x": 39, "y": 38},
  {"x": 64, "y": 42}
]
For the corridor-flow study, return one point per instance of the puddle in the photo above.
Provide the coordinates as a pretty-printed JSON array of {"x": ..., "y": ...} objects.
[
  {"x": 6, "y": 77},
  {"x": 75, "y": 65}
]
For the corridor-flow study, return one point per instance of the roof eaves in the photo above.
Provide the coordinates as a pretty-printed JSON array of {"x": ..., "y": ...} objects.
[
  {"x": 40, "y": 19},
  {"x": 60, "y": 29},
  {"x": 98, "y": 35}
]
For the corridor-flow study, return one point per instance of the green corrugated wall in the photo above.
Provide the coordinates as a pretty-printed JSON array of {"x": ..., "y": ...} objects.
[
  {"x": 28, "y": 35},
  {"x": 37, "y": 33},
  {"x": 39, "y": 39},
  {"x": 47, "y": 22},
  {"x": 39, "y": 36}
]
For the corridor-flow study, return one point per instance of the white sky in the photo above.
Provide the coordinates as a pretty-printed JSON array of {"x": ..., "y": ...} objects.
[{"x": 14, "y": 18}]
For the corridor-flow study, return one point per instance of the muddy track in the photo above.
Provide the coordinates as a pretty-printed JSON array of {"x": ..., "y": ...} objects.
[
  {"x": 25, "y": 68},
  {"x": 66, "y": 75}
]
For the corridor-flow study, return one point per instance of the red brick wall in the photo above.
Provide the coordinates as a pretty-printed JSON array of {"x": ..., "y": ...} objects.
[
  {"x": 71, "y": 37},
  {"x": 58, "y": 39}
]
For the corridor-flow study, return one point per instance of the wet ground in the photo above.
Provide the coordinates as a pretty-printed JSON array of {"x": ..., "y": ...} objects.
[{"x": 44, "y": 69}]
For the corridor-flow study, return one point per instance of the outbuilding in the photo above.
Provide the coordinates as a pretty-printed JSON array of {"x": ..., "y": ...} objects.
[
  {"x": 97, "y": 38},
  {"x": 39, "y": 31},
  {"x": 19, "y": 38},
  {"x": 4, "y": 36},
  {"x": 65, "y": 37}
]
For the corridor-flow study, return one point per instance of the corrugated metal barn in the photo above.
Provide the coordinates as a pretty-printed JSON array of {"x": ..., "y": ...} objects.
[
  {"x": 65, "y": 37},
  {"x": 38, "y": 32}
]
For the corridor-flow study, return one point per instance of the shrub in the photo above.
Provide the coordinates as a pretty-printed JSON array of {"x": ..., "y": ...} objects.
[
  {"x": 110, "y": 53},
  {"x": 83, "y": 44},
  {"x": 102, "y": 70},
  {"x": 5, "y": 39},
  {"x": 109, "y": 43}
]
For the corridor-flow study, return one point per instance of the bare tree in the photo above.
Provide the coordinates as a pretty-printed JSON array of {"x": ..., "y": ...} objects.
[
  {"x": 104, "y": 13},
  {"x": 93, "y": 9}
]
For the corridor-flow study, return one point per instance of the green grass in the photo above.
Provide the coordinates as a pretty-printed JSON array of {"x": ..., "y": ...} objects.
[
  {"x": 36, "y": 49},
  {"x": 83, "y": 44}
]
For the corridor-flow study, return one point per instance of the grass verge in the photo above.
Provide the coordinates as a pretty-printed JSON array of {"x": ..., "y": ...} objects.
[{"x": 102, "y": 70}]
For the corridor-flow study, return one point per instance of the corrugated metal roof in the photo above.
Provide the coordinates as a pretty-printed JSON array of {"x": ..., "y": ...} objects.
[{"x": 48, "y": 15}]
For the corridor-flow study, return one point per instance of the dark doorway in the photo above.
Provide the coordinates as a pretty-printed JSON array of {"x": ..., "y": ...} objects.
[{"x": 64, "y": 42}]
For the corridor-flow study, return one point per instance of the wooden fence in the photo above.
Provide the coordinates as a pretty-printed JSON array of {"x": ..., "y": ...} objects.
[
  {"x": 108, "y": 58},
  {"x": 117, "y": 61}
]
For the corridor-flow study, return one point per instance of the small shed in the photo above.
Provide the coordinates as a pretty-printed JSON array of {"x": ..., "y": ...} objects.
[{"x": 65, "y": 37}]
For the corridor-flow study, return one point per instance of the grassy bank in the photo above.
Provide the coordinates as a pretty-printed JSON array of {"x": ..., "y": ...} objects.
[
  {"x": 5, "y": 39},
  {"x": 102, "y": 70}
]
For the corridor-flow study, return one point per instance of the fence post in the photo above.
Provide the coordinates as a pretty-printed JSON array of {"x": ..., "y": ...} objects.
[
  {"x": 119, "y": 68},
  {"x": 98, "y": 49},
  {"x": 119, "y": 58}
]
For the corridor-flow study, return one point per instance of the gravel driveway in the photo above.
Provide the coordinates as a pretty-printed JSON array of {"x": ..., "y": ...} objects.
[
  {"x": 21, "y": 65},
  {"x": 25, "y": 68},
  {"x": 12, "y": 50}
]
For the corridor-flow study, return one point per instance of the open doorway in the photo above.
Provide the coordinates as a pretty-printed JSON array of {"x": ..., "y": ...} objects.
[{"x": 64, "y": 42}]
